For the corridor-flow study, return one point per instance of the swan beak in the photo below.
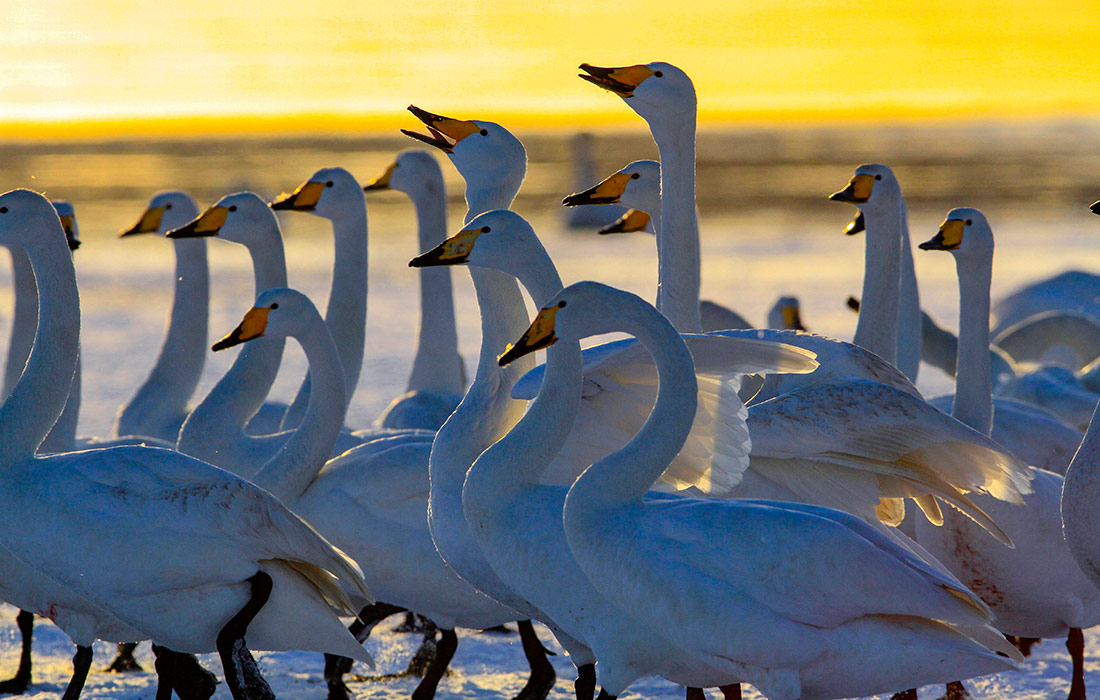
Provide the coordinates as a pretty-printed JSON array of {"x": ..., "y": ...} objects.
[
  {"x": 621, "y": 81},
  {"x": 792, "y": 319},
  {"x": 857, "y": 224},
  {"x": 1095, "y": 208},
  {"x": 67, "y": 223},
  {"x": 208, "y": 224},
  {"x": 540, "y": 335},
  {"x": 304, "y": 198},
  {"x": 853, "y": 304},
  {"x": 949, "y": 237},
  {"x": 441, "y": 129},
  {"x": 252, "y": 326},
  {"x": 858, "y": 190},
  {"x": 633, "y": 220},
  {"x": 453, "y": 251},
  {"x": 607, "y": 192},
  {"x": 148, "y": 223},
  {"x": 382, "y": 182}
]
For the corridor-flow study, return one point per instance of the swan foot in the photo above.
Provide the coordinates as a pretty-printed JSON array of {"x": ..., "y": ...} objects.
[
  {"x": 910, "y": 694},
  {"x": 183, "y": 674},
  {"x": 18, "y": 684},
  {"x": 1024, "y": 644},
  {"x": 499, "y": 629},
  {"x": 242, "y": 675},
  {"x": 82, "y": 663},
  {"x": 434, "y": 672},
  {"x": 542, "y": 677},
  {"x": 585, "y": 685},
  {"x": 604, "y": 695},
  {"x": 955, "y": 691},
  {"x": 124, "y": 661},
  {"x": 1075, "y": 645},
  {"x": 731, "y": 692}
]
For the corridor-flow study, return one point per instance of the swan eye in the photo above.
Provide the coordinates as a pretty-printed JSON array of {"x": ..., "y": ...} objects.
[
  {"x": 485, "y": 229},
  {"x": 634, "y": 176},
  {"x": 3, "y": 210},
  {"x": 561, "y": 304},
  {"x": 659, "y": 74},
  {"x": 484, "y": 132},
  {"x": 969, "y": 221},
  {"x": 878, "y": 177},
  {"x": 274, "y": 305},
  {"x": 330, "y": 183},
  {"x": 233, "y": 207}
]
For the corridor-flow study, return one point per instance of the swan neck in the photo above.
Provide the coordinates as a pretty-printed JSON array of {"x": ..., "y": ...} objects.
[
  {"x": 877, "y": 327},
  {"x": 910, "y": 328},
  {"x": 481, "y": 198},
  {"x": 541, "y": 278},
  {"x": 678, "y": 265},
  {"x": 291, "y": 470},
  {"x": 346, "y": 313},
  {"x": 973, "y": 403},
  {"x": 62, "y": 437},
  {"x": 24, "y": 318}
]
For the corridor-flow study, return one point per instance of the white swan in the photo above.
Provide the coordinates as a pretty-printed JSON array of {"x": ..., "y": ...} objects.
[
  {"x": 334, "y": 194},
  {"x": 786, "y": 314},
  {"x": 584, "y": 172},
  {"x": 215, "y": 430},
  {"x": 438, "y": 376},
  {"x": 1063, "y": 337},
  {"x": 1036, "y": 589},
  {"x": 638, "y": 185},
  {"x": 751, "y": 588},
  {"x": 213, "y": 546}
]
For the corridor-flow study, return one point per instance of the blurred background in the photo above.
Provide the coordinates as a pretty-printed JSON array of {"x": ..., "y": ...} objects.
[{"x": 972, "y": 102}]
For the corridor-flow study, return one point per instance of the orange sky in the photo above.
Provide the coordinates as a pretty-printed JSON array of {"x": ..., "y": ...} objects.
[{"x": 93, "y": 67}]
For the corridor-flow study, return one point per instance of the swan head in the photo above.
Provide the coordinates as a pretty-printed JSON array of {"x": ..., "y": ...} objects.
[
  {"x": 785, "y": 314},
  {"x": 873, "y": 187},
  {"x": 499, "y": 240},
  {"x": 277, "y": 313},
  {"x": 412, "y": 172},
  {"x": 241, "y": 218},
  {"x": 25, "y": 219},
  {"x": 966, "y": 234},
  {"x": 658, "y": 92},
  {"x": 487, "y": 155},
  {"x": 326, "y": 194},
  {"x": 637, "y": 186},
  {"x": 67, "y": 215},
  {"x": 165, "y": 211}
]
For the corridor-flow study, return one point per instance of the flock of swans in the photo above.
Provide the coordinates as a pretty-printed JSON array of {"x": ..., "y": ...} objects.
[{"x": 703, "y": 501}]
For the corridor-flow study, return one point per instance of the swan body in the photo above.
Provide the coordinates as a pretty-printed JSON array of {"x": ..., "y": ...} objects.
[
  {"x": 1068, "y": 338},
  {"x": 438, "y": 377},
  {"x": 1073, "y": 291}
]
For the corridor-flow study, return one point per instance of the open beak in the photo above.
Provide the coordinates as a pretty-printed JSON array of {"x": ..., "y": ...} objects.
[
  {"x": 1095, "y": 208},
  {"x": 304, "y": 198},
  {"x": 382, "y": 182},
  {"x": 607, "y": 192},
  {"x": 950, "y": 236},
  {"x": 856, "y": 225},
  {"x": 621, "y": 81},
  {"x": 251, "y": 326},
  {"x": 148, "y": 223},
  {"x": 443, "y": 132},
  {"x": 539, "y": 335},
  {"x": 208, "y": 224},
  {"x": 632, "y": 220},
  {"x": 453, "y": 251},
  {"x": 858, "y": 190}
]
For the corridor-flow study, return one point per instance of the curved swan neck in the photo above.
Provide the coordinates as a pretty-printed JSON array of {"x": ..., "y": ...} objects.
[
  {"x": 541, "y": 278},
  {"x": 290, "y": 471},
  {"x": 346, "y": 313},
  {"x": 626, "y": 475},
  {"x": 678, "y": 275},
  {"x": 62, "y": 437},
  {"x": 437, "y": 366},
  {"x": 483, "y": 197},
  {"x": 877, "y": 328},
  {"x": 24, "y": 318},
  {"x": 910, "y": 325},
  {"x": 39, "y": 397},
  {"x": 973, "y": 403}
]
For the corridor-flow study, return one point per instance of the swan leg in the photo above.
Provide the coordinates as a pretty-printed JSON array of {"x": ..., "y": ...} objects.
[
  {"x": 124, "y": 661},
  {"x": 910, "y": 694},
  {"x": 1024, "y": 644},
  {"x": 731, "y": 692},
  {"x": 585, "y": 685},
  {"x": 426, "y": 653},
  {"x": 542, "y": 675},
  {"x": 242, "y": 675},
  {"x": 445, "y": 651},
  {"x": 956, "y": 691},
  {"x": 1075, "y": 645},
  {"x": 82, "y": 663},
  {"x": 183, "y": 674},
  {"x": 691, "y": 693},
  {"x": 364, "y": 624},
  {"x": 604, "y": 695},
  {"x": 414, "y": 623},
  {"x": 17, "y": 685}
]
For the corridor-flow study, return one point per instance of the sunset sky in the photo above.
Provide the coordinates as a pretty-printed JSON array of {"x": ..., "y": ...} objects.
[{"x": 82, "y": 67}]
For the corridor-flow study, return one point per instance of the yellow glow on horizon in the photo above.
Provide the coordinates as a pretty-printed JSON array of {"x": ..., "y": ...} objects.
[{"x": 103, "y": 67}]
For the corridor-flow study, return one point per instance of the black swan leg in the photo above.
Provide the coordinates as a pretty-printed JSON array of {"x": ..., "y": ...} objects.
[
  {"x": 242, "y": 675},
  {"x": 585, "y": 685},
  {"x": 910, "y": 694},
  {"x": 183, "y": 674},
  {"x": 124, "y": 661},
  {"x": 445, "y": 651},
  {"x": 364, "y": 624},
  {"x": 1075, "y": 645},
  {"x": 542, "y": 675},
  {"x": 18, "y": 684},
  {"x": 426, "y": 653},
  {"x": 82, "y": 663},
  {"x": 731, "y": 691}
]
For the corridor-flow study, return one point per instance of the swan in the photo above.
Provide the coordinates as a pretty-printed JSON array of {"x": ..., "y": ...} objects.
[
  {"x": 1035, "y": 589},
  {"x": 215, "y": 430},
  {"x": 217, "y": 557},
  {"x": 727, "y": 580},
  {"x": 1073, "y": 291},
  {"x": 438, "y": 376},
  {"x": 584, "y": 172},
  {"x": 334, "y": 194},
  {"x": 492, "y": 163},
  {"x": 808, "y": 444},
  {"x": 1064, "y": 337},
  {"x": 638, "y": 186},
  {"x": 786, "y": 314}
]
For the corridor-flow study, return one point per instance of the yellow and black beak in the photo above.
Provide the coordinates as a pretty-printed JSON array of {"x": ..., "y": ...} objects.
[
  {"x": 621, "y": 81},
  {"x": 208, "y": 224},
  {"x": 453, "y": 251},
  {"x": 632, "y": 220},
  {"x": 950, "y": 236},
  {"x": 792, "y": 318},
  {"x": 382, "y": 182},
  {"x": 607, "y": 192},
  {"x": 540, "y": 335},
  {"x": 304, "y": 198},
  {"x": 856, "y": 225},
  {"x": 70, "y": 235},
  {"x": 853, "y": 304},
  {"x": 443, "y": 132},
  {"x": 251, "y": 326},
  {"x": 148, "y": 223},
  {"x": 1095, "y": 208},
  {"x": 858, "y": 190}
]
